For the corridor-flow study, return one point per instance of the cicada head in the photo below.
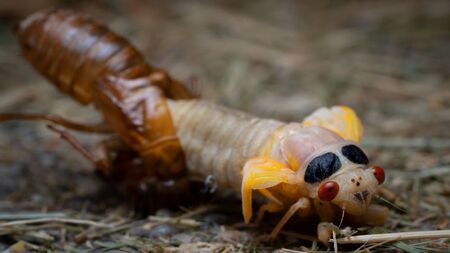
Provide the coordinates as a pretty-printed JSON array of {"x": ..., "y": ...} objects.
[
  {"x": 331, "y": 169},
  {"x": 339, "y": 174}
]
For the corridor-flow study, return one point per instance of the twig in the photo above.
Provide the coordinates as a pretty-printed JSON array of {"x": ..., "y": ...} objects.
[
  {"x": 55, "y": 219},
  {"x": 375, "y": 238}
]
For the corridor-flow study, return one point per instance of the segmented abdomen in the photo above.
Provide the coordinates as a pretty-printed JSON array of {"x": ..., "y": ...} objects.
[
  {"x": 218, "y": 141},
  {"x": 72, "y": 51}
]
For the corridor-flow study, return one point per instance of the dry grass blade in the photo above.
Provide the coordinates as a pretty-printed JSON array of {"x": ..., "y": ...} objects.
[
  {"x": 308, "y": 251},
  {"x": 289, "y": 251},
  {"x": 376, "y": 238},
  {"x": 55, "y": 219},
  {"x": 30, "y": 215},
  {"x": 93, "y": 233},
  {"x": 175, "y": 220}
]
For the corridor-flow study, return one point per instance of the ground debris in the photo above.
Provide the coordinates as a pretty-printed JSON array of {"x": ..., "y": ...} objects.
[{"x": 273, "y": 59}]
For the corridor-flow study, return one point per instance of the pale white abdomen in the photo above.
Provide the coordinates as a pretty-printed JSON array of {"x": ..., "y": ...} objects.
[{"x": 218, "y": 141}]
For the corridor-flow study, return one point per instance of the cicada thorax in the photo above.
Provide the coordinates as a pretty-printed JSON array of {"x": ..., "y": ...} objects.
[{"x": 93, "y": 64}]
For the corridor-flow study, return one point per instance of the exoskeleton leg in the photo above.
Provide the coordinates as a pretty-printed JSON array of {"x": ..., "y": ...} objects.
[
  {"x": 102, "y": 164},
  {"x": 58, "y": 120},
  {"x": 112, "y": 157},
  {"x": 119, "y": 163}
]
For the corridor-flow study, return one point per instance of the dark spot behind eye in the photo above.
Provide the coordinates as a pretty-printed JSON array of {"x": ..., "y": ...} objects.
[
  {"x": 322, "y": 167},
  {"x": 355, "y": 154}
]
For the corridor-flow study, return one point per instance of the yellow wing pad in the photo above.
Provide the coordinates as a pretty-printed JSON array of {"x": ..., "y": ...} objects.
[
  {"x": 261, "y": 173},
  {"x": 339, "y": 119}
]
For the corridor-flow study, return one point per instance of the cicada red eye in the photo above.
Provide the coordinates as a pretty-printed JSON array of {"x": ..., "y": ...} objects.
[
  {"x": 378, "y": 172},
  {"x": 328, "y": 190}
]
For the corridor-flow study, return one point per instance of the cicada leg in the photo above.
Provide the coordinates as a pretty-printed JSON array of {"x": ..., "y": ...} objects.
[
  {"x": 262, "y": 173},
  {"x": 303, "y": 205},
  {"x": 374, "y": 215},
  {"x": 270, "y": 207}
]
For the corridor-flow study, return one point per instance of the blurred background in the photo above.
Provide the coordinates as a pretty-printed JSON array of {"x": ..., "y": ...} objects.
[{"x": 389, "y": 60}]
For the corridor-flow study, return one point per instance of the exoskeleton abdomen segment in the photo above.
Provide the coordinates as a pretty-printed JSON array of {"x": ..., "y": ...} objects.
[
  {"x": 73, "y": 51},
  {"x": 88, "y": 61}
]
